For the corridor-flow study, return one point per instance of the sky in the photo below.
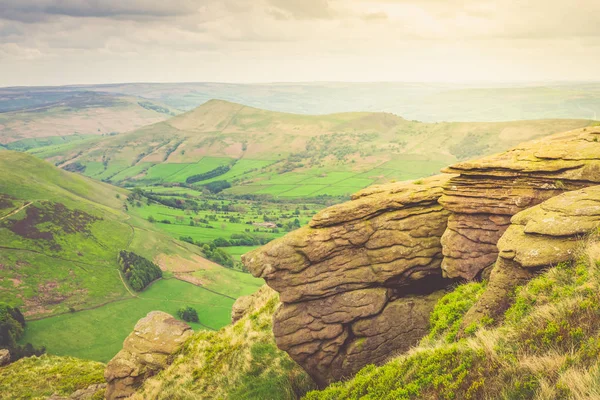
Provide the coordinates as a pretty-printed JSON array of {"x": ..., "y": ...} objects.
[{"x": 56, "y": 42}]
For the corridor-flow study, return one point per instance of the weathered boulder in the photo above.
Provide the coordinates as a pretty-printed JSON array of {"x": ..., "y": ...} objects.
[
  {"x": 489, "y": 191},
  {"x": 357, "y": 283},
  {"x": 145, "y": 352},
  {"x": 4, "y": 357},
  {"x": 540, "y": 237}
]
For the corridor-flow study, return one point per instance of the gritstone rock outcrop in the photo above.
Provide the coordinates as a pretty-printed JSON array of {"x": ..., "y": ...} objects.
[
  {"x": 489, "y": 191},
  {"x": 540, "y": 237},
  {"x": 145, "y": 352},
  {"x": 357, "y": 284}
]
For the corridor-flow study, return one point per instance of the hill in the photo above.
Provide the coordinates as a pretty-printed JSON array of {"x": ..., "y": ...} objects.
[
  {"x": 36, "y": 117},
  {"x": 289, "y": 155},
  {"x": 62, "y": 237},
  {"x": 430, "y": 102}
]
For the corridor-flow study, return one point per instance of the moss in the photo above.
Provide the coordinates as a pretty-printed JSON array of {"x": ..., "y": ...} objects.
[{"x": 40, "y": 377}]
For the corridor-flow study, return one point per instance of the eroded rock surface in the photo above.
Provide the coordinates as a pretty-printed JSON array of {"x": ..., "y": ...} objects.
[
  {"x": 489, "y": 191},
  {"x": 4, "y": 357},
  {"x": 145, "y": 352},
  {"x": 540, "y": 237},
  {"x": 358, "y": 283}
]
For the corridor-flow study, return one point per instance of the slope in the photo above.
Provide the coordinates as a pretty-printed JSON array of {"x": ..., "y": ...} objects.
[
  {"x": 264, "y": 152},
  {"x": 38, "y": 118},
  {"x": 60, "y": 234}
]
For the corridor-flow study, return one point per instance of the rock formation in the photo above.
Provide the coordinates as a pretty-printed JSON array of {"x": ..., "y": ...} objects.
[
  {"x": 4, "y": 357},
  {"x": 489, "y": 191},
  {"x": 540, "y": 237},
  {"x": 357, "y": 284},
  {"x": 145, "y": 352}
]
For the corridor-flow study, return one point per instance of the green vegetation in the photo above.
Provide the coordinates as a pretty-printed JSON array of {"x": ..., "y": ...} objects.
[
  {"x": 65, "y": 238},
  {"x": 42, "y": 377},
  {"x": 240, "y": 361},
  {"x": 290, "y": 156},
  {"x": 188, "y": 314},
  {"x": 98, "y": 334},
  {"x": 223, "y": 169},
  {"x": 546, "y": 347},
  {"x": 446, "y": 318},
  {"x": 139, "y": 272},
  {"x": 12, "y": 328}
]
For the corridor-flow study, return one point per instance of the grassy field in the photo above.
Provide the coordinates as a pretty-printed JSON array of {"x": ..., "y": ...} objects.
[
  {"x": 60, "y": 234},
  {"x": 98, "y": 334}
]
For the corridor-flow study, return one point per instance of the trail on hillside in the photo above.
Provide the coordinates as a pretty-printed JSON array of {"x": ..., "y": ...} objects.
[{"x": 10, "y": 214}]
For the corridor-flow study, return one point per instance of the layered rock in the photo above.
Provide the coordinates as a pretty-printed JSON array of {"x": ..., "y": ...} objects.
[
  {"x": 540, "y": 237},
  {"x": 358, "y": 283},
  {"x": 489, "y": 191},
  {"x": 145, "y": 352}
]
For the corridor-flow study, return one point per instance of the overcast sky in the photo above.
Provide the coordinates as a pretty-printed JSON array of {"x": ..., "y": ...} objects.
[{"x": 51, "y": 42}]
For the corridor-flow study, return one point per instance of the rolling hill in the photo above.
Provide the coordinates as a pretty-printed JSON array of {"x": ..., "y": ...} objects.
[
  {"x": 289, "y": 155},
  {"x": 40, "y": 117},
  {"x": 61, "y": 235}
]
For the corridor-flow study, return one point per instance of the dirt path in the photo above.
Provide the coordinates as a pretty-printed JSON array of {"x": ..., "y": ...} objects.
[{"x": 17, "y": 210}]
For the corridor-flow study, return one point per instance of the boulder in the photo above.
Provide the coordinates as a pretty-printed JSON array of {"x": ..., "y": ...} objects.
[
  {"x": 487, "y": 192},
  {"x": 540, "y": 237},
  {"x": 145, "y": 352},
  {"x": 356, "y": 284},
  {"x": 4, "y": 357}
]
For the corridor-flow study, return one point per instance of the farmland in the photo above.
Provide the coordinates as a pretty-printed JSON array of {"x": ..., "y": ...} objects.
[{"x": 60, "y": 235}]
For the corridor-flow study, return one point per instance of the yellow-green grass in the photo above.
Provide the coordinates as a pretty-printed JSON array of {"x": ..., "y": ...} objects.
[
  {"x": 162, "y": 172},
  {"x": 302, "y": 191},
  {"x": 131, "y": 171},
  {"x": 45, "y": 376},
  {"x": 205, "y": 164},
  {"x": 238, "y": 251},
  {"x": 98, "y": 334},
  {"x": 228, "y": 281}
]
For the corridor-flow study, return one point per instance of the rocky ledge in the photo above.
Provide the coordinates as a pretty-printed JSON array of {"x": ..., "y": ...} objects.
[
  {"x": 542, "y": 236},
  {"x": 487, "y": 192},
  {"x": 357, "y": 284}
]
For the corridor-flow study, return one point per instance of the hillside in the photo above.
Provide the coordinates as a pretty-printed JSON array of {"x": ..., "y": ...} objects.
[
  {"x": 37, "y": 117},
  {"x": 430, "y": 102},
  {"x": 61, "y": 235},
  {"x": 289, "y": 155}
]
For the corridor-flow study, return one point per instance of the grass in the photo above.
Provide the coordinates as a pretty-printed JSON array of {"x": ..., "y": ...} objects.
[
  {"x": 118, "y": 319},
  {"x": 547, "y": 346},
  {"x": 45, "y": 376},
  {"x": 59, "y": 260},
  {"x": 239, "y": 362}
]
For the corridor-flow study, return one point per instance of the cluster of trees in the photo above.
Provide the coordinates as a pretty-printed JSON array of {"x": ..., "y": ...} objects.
[
  {"x": 138, "y": 271},
  {"x": 223, "y": 169},
  {"x": 75, "y": 167},
  {"x": 217, "y": 186},
  {"x": 188, "y": 314},
  {"x": 12, "y": 328},
  {"x": 241, "y": 239}
]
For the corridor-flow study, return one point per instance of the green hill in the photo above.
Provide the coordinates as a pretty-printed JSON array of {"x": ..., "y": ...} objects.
[
  {"x": 48, "y": 117},
  {"x": 289, "y": 155},
  {"x": 60, "y": 236}
]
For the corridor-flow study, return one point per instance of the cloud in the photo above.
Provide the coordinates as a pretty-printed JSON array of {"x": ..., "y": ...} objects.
[
  {"x": 302, "y": 9},
  {"x": 36, "y": 10}
]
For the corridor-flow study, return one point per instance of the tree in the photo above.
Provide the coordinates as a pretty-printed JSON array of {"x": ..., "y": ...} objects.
[
  {"x": 188, "y": 314},
  {"x": 151, "y": 219}
]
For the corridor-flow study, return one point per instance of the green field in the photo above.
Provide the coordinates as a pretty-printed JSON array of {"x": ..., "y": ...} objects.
[{"x": 98, "y": 334}]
